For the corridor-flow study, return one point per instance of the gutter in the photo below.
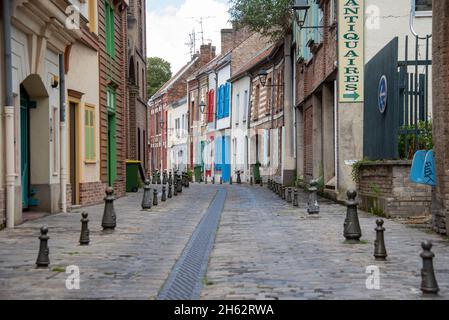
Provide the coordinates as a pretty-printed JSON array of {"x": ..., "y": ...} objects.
[
  {"x": 9, "y": 115},
  {"x": 63, "y": 134}
]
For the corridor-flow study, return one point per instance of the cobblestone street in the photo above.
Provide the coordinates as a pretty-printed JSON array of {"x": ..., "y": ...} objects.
[{"x": 264, "y": 249}]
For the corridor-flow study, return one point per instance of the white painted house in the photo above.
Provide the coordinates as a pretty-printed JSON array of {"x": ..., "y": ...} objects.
[
  {"x": 239, "y": 133},
  {"x": 178, "y": 134}
]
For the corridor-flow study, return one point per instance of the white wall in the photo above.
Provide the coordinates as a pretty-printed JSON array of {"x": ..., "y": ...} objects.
[
  {"x": 239, "y": 132},
  {"x": 177, "y": 141}
]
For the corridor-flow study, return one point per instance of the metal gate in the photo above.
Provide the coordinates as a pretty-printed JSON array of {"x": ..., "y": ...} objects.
[{"x": 396, "y": 113}]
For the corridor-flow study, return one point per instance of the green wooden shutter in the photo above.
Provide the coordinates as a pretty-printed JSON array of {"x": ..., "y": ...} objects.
[{"x": 109, "y": 26}]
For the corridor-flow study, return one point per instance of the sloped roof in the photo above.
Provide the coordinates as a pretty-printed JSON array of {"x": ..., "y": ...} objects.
[
  {"x": 257, "y": 59},
  {"x": 173, "y": 79}
]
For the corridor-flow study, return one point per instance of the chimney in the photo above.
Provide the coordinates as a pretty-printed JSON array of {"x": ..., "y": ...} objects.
[
  {"x": 207, "y": 53},
  {"x": 231, "y": 38}
]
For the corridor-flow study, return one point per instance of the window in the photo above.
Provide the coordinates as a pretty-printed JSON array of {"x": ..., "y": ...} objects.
[
  {"x": 111, "y": 100},
  {"x": 177, "y": 127},
  {"x": 256, "y": 102},
  {"x": 333, "y": 11},
  {"x": 237, "y": 109},
  {"x": 183, "y": 128},
  {"x": 89, "y": 133},
  {"x": 245, "y": 106},
  {"x": 269, "y": 96},
  {"x": 109, "y": 26},
  {"x": 423, "y": 5}
]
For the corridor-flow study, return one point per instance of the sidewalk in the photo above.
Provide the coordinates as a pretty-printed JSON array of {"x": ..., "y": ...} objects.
[{"x": 131, "y": 263}]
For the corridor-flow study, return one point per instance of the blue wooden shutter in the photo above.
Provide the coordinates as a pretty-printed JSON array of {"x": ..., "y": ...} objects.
[{"x": 227, "y": 99}]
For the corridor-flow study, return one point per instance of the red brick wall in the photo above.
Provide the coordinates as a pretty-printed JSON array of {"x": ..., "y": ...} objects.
[
  {"x": 308, "y": 142},
  {"x": 311, "y": 74},
  {"x": 440, "y": 53},
  {"x": 113, "y": 72},
  {"x": 93, "y": 193}
]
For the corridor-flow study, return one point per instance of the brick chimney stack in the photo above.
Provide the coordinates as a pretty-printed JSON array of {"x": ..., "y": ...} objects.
[
  {"x": 207, "y": 53},
  {"x": 231, "y": 38}
]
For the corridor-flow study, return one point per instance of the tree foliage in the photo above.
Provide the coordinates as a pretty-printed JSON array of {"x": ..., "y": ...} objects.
[
  {"x": 270, "y": 18},
  {"x": 158, "y": 73}
]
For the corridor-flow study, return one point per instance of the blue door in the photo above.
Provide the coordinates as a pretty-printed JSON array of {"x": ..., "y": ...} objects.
[
  {"x": 25, "y": 146},
  {"x": 226, "y": 163}
]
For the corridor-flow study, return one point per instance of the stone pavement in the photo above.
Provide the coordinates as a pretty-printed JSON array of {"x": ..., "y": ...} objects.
[
  {"x": 131, "y": 263},
  {"x": 264, "y": 249}
]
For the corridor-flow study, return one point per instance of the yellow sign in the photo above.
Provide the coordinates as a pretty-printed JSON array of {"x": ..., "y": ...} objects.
[{"x": 351, "y": 60}]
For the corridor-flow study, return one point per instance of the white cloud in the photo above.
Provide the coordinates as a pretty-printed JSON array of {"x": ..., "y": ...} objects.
[{"x": 169, "y": 28}]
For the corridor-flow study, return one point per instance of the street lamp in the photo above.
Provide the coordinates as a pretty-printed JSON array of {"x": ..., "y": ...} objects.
[
  {"x": 263, "y": 74},
  {"x": 202, "y": 106},
  {"x": 300, "y": 9}
]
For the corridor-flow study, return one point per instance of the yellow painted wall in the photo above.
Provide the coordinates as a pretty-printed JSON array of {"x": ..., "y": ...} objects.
[{"x": 83, "y": 76}]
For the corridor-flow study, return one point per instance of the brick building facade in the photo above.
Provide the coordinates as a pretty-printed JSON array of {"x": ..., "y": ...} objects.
[
  {"x": 315, "y": 75},
  {"x": 171, "y": 92},
  {"x": 137, "y": 137},
  {"x": 441, "y": 113},
  {"x": 113, "y": 93}
]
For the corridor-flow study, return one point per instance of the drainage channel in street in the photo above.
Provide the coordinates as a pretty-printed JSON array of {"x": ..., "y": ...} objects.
[{"x": 186, "y": 279}]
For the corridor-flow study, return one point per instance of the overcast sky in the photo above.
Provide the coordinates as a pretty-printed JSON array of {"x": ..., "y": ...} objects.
[{"x": 169, "y": 23}]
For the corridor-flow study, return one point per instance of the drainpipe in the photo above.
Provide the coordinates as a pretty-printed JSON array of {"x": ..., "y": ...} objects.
[
  {"x": 63, "y": 134},
  {"x": 9, "y": 116}
]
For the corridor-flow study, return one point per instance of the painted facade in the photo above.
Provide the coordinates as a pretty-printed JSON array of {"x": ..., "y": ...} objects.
[
  {"x": 328, "y": 134},
  {"x": 31, "y": 174},
  {"x": 177, "y": 137}
]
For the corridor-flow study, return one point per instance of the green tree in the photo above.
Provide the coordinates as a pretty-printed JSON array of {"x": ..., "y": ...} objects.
[
  {"x": 158, "y": 73},
  {"x": 270, "y": 18}
]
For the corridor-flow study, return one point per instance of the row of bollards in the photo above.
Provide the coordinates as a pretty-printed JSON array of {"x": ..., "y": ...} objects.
[
  {"x": 352, "y": 230},
  {"x": 109, "y": 220}
]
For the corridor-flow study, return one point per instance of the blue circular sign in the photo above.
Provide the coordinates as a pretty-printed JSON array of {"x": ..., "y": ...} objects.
[{"x": 383, "y": 94}]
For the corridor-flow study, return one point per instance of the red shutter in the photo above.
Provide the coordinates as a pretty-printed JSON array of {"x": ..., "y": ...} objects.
[{"x": 210, "y": 116}]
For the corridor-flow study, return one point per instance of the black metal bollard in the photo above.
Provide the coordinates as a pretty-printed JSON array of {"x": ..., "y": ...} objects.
[
  {"x": 205, "y": 180},
  {"x": 170, "y": 194},
  {"x": 289, "y": 194},
  {"x": 261, "y": 182},
  {"x": 295, "y": 201},
  {"x": 186, "y": 180},
  {"x": 284, "y": 190},
  {"x": 352, "y": 231},
  {"x": 154, "y": 177},
  {"x": 146, "y": 200},
  {"x": 251, "y": 180},
  {"x": 43, "y": 257},
  {"x": 109, "y": 217},
  {"x": 213, "y": 180},
  {"x": 230, "y": 180},
  {"x": 164, "y": 193},
  {"x": 221, "y": 180},
  {"x": 269, "y": 184},
  {"x": 84, "y": 237},
  {"x": 380, "y": 252},
  {"x": 164, "y": 178},
  {"x": 239, "y": 178},
  {"x": 170, "y": 178},
  {"x": 429, "y": 283},
  {"x": 312, "y": 205},
  {"x": 175, "y": 188},
  {"x": 155, "y": 203},
  {"x": 178, "y": 180}
]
